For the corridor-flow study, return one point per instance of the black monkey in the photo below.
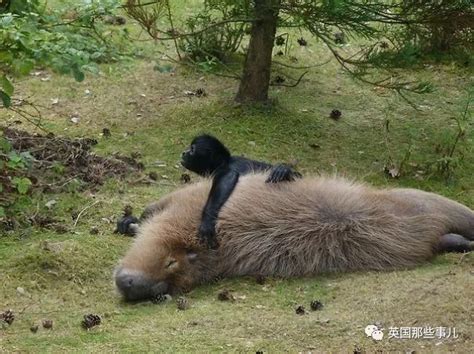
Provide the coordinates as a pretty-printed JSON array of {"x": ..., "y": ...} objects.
[{"x": 207, "y": 156}]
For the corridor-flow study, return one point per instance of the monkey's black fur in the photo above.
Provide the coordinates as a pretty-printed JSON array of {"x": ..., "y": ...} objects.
[
  {"x": 127, "y": 224},
  {"x": 207, "y": 156}
]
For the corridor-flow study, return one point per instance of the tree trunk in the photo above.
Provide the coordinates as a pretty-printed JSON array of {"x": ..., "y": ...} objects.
[{"x": 256, "y": 74}]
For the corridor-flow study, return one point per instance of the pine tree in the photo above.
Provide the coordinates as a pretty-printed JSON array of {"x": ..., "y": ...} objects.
[{"x": 330, "y": 21}]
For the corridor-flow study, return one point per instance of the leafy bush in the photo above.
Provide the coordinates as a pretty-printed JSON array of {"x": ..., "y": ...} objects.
[
  {"x": 214, "y": 37},
  {"x": 13, "y": 182},
  {"x": 439, "y": 29},
  {"x": 69, "y": 40},
  {"x": 212, "y": 34}
]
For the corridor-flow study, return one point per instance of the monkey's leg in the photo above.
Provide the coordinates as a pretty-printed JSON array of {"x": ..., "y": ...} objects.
[
  {"x": 455, "y": 243},
  {"x": 281, "y": 173}
]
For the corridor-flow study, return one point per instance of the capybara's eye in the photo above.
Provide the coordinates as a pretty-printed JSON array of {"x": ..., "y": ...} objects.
[{"x": 170, "y": 263}]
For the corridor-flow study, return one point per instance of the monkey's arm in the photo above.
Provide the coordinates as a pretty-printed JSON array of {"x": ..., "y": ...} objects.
[
  {"x": 280, "y": 173},
  {"x": 223, "y": 184}
]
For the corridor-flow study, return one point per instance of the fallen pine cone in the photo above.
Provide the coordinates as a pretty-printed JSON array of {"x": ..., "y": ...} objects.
[
  {"x": 200, "y": 92},
  {"x": 182, "y": 303},
  {"x": 158, "y": 299},
  {"x": 225, "y": 295},
  {"x": 335, "y": 114},
  {"x": 48, "y": 324},
  {"x": 185, "y": 178},
  {"x": 316, "y": 305},
  {"x": 302, "y": 42},
  {"x": 90, "y": 321},
  {"x": 34, "y": 328},
  {"x": 8, "y": 317},
  {"x": 300, "y": 310}
]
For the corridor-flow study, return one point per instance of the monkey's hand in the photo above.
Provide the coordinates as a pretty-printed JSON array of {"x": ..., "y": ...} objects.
[
  {"x": 282, "y": 173},
  {"x": 207, "y": 236},
  {"x": 127, "y": 225}
]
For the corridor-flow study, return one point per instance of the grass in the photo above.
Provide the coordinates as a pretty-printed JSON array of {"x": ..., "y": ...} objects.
[{"x": 65, "y": 276}]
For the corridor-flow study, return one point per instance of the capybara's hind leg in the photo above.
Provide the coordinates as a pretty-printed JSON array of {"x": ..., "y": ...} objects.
[{"x": 455, "y": 243}]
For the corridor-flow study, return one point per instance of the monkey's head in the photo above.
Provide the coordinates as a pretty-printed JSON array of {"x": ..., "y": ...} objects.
[
  {"x": 166, "y": 257},
  {"x": 205, "y": 154}
]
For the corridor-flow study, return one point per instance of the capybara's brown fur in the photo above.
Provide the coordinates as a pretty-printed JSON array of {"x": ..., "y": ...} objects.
[{"x": 302, "y": 228}]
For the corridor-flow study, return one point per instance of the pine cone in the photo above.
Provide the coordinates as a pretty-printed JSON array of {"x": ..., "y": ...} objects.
[
  {"x": 127, "y": 210},
  {"x": 279, "y": 40},
  {"x": 48, "y": 324},
  {"x": 158, "y": 299},
  {"x": 8, "y": 316},
  {"x": 34, "y": 328},
  {"x": 302, "y": 42},
  {"x": 200, "y": 92},
  {"x": 90, "y": 321},
  {"x": 225, "y": 295},
  {"x": 339, "y": 38},
  {"x": 182, "y": 303},
  {"x": 106, "y": 132},
  {"x": 185, "y": 178},
  {"x": 316, "y": 305},
  {"x": 335, "y": 114},
  {"x": 300, "y": 310},
  {"x": 279, "y": 79}
]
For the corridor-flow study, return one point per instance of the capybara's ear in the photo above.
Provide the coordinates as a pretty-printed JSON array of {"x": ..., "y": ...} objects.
[{"x": 191, "y": 256}]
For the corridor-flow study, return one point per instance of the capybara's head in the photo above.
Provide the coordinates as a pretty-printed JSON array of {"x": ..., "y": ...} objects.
[{"x": 166, "y": 257}]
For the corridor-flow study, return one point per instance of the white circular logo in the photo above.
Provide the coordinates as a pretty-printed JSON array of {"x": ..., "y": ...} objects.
[{"x": 374, "y": 332}]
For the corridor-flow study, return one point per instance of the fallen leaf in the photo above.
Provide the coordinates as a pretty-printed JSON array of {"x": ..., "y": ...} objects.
[{"x": 49, "y": 204}]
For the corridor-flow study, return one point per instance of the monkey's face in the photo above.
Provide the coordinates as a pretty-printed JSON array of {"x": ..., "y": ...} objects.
[
  {"x": 197, "y": 159},
  {"x": 205, "y": 155}
]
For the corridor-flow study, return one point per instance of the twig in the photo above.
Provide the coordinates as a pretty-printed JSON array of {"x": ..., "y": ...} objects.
[
  {"x": 301, "y": 67},
  {"x": 138, "y": 5},
  {"x": 407, "y": 100},
  {"x": 170, "y": 19},
  {"x": 461, "y": 259},
  {"x": 83, "y": 210},
  {"x": 292, "y": 85}
]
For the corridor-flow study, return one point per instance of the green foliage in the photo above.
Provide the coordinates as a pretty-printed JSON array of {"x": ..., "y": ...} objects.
[
  {"x": 450, "y": 149},
  {"x": 433, "y": 30},
  {"x": 70, "y": 39},
  {"x": 20, "y": 6},
  {"x": 214, "y": 34},
  {"x": 22, "y": 184},
  {"x": 211, "y": 34},
  {"x": 6, "y": 90},
  {"x": 14, "y": 184}
]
